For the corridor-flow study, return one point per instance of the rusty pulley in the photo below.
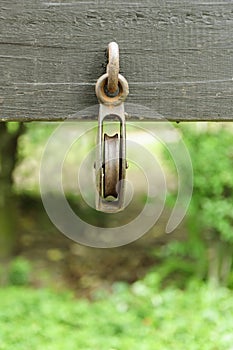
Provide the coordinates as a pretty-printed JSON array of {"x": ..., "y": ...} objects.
[
  {"x": 111, "y": 90},
  {"x": 111, "y": 165}
]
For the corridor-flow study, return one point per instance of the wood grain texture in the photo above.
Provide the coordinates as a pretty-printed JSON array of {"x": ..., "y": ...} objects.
[{"x": 176, "y": 55}]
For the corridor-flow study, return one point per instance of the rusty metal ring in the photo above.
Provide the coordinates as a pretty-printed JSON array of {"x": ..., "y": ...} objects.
[
  {"x": 116, "y": 100},
  {"x": 113, "y": 67}
]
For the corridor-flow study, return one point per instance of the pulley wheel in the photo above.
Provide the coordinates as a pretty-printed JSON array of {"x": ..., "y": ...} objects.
[{"x": 111, "y": 165}]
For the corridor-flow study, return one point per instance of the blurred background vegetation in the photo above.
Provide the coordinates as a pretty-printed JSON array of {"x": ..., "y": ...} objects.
[{"x": 161, "y": 292}]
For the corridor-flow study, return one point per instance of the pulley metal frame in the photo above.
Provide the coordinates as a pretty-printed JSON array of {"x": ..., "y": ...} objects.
[{"x": 104, "y": 203}]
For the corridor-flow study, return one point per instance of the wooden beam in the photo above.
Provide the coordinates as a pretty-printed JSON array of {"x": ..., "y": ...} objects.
[{"x": 177, "y": 56}]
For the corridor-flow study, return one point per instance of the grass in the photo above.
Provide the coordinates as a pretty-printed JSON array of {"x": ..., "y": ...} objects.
[{"x": 139, "y": 317}]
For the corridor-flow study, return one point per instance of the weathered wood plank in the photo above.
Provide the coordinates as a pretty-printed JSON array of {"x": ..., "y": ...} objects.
[{"x": 176, "y": 55}]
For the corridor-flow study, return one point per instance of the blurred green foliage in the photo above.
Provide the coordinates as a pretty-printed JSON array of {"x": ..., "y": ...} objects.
[
  {"x": 212, "y": 158},
  {"x": 19, "y": 272},
  {"x": 170, "y": 308},
  {"x": 140, "y": 317},
  {"x": 210, "y": 217}
]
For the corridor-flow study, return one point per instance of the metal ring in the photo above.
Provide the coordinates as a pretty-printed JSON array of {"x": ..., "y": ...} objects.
[
  {"x": 103, "y": 98},
  {"x": 113, "y": 67}
]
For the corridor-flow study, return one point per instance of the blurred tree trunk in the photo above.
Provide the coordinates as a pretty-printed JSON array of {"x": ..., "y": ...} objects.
[
  {"x": 220, "y": 262},
  {"x": 214, "y": 263},
  {"x": 226, "y": 262},
  {"x": 8, "y": 210}
]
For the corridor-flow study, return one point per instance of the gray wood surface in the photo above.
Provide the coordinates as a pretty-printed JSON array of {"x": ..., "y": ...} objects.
[{"x": 177, "y": 56}]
